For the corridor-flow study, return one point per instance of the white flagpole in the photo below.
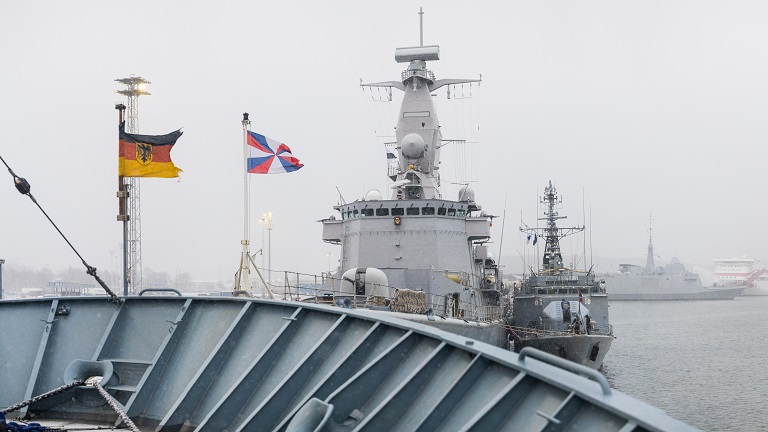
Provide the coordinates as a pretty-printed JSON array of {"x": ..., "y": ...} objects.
[{"x": 244, "y": 275}]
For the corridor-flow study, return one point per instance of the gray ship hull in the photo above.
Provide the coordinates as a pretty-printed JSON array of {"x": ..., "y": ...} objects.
[
  {"x": 586, "y": 350},
  {"x": 176, "y": 363},
  {"x": 631, "y": 287},
  {"x": 757, "y": 290},
  {"x": 493, "y": 333},
  {"x": 537, "y": 322}
]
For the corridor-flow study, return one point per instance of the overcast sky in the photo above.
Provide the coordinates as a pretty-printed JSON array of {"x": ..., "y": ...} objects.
[{"x": 645, "y": 107}]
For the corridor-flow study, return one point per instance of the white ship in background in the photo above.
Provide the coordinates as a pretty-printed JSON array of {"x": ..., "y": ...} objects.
[{"x": 741, "y": 271}]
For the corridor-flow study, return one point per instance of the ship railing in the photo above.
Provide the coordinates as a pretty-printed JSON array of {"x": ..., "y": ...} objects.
[
  {"x": 449, "y": 307},
  {"x": 324, "y": 289},
  {"x": 524, "y": 332},
  {"x": 533, "y": 331},
  {"x": 558, "y": 289},
  {"x": 423, "y": 73}
]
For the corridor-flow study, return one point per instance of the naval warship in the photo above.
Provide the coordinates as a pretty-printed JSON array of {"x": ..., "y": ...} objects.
[
  {"x": 560, "y": 310},
  {"x": 418, "y": 253},
  {"x": 670, "y": 282}
]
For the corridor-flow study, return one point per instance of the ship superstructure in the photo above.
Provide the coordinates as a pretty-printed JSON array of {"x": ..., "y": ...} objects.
[
  {"x": 557, "y": 309},
  {"x": 418, "y": 240}
]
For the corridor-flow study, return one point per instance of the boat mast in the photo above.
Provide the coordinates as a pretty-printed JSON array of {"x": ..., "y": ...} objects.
[
  {"x": 243, "y": 282},
  {"x": 649, "y": 264},
  {"x": 417, "y": 133},
  {"x": 421, "y": 26},
  {"x": 553, "y": 259}
]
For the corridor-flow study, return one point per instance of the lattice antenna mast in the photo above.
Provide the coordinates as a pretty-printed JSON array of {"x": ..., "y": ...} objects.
[{"x": 132, "y": 239}]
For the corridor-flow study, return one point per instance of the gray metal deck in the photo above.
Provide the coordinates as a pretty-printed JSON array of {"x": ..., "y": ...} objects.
[{"x": 214, "y": 364}]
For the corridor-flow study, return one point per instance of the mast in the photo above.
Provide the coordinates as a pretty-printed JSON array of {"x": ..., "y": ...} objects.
[
  {"x": 553, "y": 258},
  {"x": 421, "y": 26},
  {"x": 649, "y": 264},
  {"x": 243, "y": 282},
  {"x": 418, "y": 130},
  {"x": 132, "y": 270},
  {"x": 122, "y": 216}
]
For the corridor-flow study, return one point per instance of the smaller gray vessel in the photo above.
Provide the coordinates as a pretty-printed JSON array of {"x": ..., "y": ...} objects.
[
  {"x": 671, "y": 282},
  {"x": 560, "y": 310}
]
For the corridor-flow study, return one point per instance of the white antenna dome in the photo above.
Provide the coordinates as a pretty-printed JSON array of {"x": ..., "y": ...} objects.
[
  {"x": 466, "y": 194},
  {"x": 373, "y": 195},
  {"x": 412, "y": 145}
]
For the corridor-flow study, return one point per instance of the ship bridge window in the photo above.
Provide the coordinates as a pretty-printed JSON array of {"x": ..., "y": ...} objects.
[
  {"x": 398, "y": 211},
  {"x": 441, "y": 211},
  {"x": 451, "y": 212},
  {"x": 355, "y": 214},
  {"x": 382, "y": 212},
  {"x": 367, "y": 212},
  {"x": 412, "y": 211},
  {"x": 427, "y": 211},
  {"x": 460, "y": 213}
]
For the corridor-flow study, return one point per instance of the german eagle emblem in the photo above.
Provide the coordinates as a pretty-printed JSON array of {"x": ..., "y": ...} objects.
[{"x": 143, "y": 153}]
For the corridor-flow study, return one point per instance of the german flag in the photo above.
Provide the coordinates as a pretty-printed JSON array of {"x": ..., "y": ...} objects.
[{"x": 147, "y": 155}]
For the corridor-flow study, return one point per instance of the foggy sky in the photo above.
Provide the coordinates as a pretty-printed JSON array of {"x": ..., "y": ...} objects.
[{"x": 630, "y": 108}]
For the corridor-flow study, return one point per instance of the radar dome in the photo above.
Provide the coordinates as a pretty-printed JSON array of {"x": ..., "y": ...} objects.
[
  {"x": 466, "y": 194},
  {"x": 412, "y": 145},
  {"x": 373, "y": 195}
]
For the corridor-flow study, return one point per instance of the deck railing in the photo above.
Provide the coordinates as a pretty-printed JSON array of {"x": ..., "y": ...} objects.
[{"x": 313, "y": 289}]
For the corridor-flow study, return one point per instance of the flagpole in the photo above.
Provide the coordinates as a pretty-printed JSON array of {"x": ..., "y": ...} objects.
[
  {"x": 122, "y": 198},
  {"x": 244, "y": 280}
]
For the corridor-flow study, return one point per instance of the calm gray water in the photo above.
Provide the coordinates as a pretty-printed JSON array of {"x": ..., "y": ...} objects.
[{"x": 703, "y": 362}]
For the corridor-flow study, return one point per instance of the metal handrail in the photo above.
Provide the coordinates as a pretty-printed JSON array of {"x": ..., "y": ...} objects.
[
  {"x": 566, "y": 364},
  {"x": 178, "y": 293}
]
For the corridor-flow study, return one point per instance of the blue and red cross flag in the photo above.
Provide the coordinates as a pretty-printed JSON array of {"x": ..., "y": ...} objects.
[{"x": 262, "y": 159}]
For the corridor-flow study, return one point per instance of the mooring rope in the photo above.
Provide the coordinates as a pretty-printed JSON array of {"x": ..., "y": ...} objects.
[
  {"x": 96, "y": 382},
  {"x": 34, "y": 427},
  {"x": 22, "y": 185}
]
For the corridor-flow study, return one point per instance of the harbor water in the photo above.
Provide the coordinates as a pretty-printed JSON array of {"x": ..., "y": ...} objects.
[{"x": 703, "y": 362}]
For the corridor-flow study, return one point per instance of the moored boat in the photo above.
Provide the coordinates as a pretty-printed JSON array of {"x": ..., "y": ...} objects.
[
  {"x": 417, "y": 253},
  {"x": 560, "y": 310}
]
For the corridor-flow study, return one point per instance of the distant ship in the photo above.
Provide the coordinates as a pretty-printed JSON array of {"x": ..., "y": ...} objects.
[
  {"x": 559, "y": 310},
  {"x": 671, "y": 282},
  {"x": 741, "y": 272}
]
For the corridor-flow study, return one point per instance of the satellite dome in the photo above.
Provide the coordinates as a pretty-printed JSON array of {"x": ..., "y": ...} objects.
[
  {"x": 373, "y": 195},
  {"x": 412, "y": 145},
  {"x": 466, "y": 194}
]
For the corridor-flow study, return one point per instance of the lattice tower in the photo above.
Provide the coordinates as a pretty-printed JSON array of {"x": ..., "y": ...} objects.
[{"x": 135, "y": 89}]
